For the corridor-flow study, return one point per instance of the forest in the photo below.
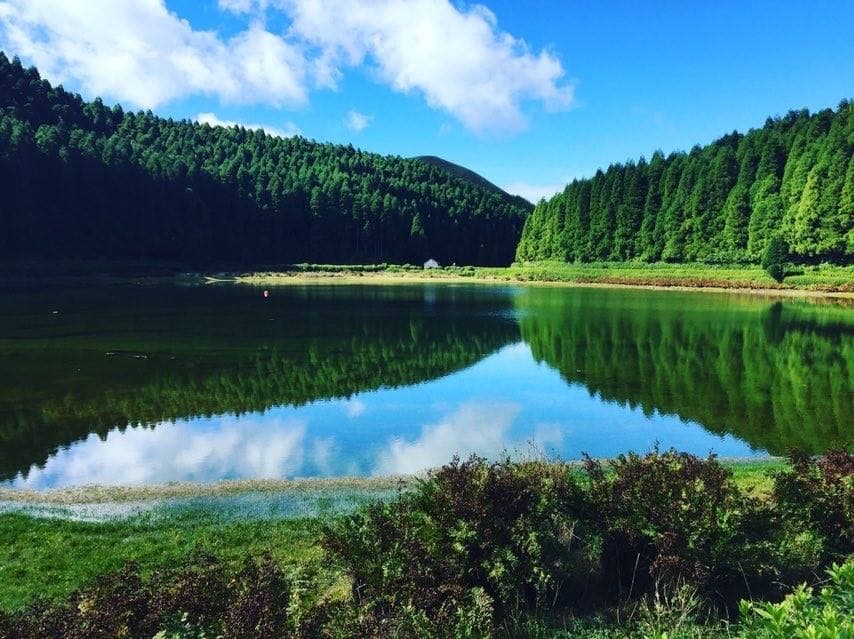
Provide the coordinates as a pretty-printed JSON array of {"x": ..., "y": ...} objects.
[
  {"x": 720, "y": 203},
  {"x": 83, "y": 181}
]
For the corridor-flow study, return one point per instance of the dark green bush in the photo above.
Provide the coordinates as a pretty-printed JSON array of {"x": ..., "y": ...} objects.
[
  {"x": 673, "y": 518},
  {"x": 478, "y": 549},
  {"x": 258, "y": 609},
  {"x": 815, "y": 497},
  {"x": 252, "y": 604},
  {"x": 804, "y": 613},
  {"x": 774, "y": 258},
  {"x": 195, "y": 590},
  {"x": 508, "y": 531}
]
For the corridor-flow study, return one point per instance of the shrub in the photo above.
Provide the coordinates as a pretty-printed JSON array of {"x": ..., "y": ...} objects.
[
  {"x": 814, "y": 498},
  {"x": 803, "y": 614},
  {"x": 504, "y": 534},
  {"x": 115, "y": 605},
  {"x": 195, "y": 601},
  {"x": 194, "y": 593},
  {"x": 480, "y": 549},
  {"x": 774, "y": 258},
  {"x": 260, "y": 597},
  {"x": 670, "y": 518}
]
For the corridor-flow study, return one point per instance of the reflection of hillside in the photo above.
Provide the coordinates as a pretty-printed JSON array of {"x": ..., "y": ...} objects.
[
  {"x": 778, "y": 376},
  {"x": 219, "y": 350}
]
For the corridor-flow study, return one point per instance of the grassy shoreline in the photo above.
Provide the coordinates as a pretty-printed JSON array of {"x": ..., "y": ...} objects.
[
  {"x": 748, "y": 473},
  {"x": 716, "y": 523},
  {"x": 822, "y": 281},
  {"x": 99, "y": 494}
]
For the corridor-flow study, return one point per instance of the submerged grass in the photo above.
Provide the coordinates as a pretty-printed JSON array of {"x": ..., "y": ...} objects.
[{"x": 339, "y": 486}]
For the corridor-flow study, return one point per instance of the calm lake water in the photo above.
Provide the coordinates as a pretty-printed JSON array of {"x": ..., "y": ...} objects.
[{"x": 152, "y": 384}]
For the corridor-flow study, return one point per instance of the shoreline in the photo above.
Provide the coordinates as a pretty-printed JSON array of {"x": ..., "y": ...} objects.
[
  {"x": 104, "y": 494},
  {"x": 296, "y": 278},
  {"x": 807, "y": 282}
]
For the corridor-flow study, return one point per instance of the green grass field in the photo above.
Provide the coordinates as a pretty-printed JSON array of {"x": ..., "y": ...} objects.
[
  {"x": 819, "y": 278},
  {"x": 51, "y": 557}
]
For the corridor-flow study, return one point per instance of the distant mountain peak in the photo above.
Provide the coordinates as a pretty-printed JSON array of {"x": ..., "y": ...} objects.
[{"x": 470, "y": 176}]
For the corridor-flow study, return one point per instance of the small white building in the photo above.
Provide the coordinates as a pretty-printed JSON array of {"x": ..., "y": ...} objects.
[{"x": 431, "y": 263}]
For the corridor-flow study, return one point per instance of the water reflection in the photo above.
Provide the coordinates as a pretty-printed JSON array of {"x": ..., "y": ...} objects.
[
  {"x": 474, "y": 428},
  {"x": 390, "y": 434},
  {"x": 778, "y": 375},
  {"x": 204, "y": 384},
  {"x": 196, "y": 450}
]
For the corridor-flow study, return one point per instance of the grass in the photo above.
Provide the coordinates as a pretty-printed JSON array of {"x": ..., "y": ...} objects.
[
  {"x": 754, "y": 476},
  {"x": 820, "y": 279},
  {"x": 355, "y": 489},
  {"x": 52, "y": 557},
  {"x": 815, "y": 279}
]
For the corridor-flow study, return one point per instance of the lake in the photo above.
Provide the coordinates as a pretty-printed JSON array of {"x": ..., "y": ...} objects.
[{"x": 146, "y": 384}]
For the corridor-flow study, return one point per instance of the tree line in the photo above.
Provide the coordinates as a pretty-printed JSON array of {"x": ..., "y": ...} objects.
[
  {"x": 792, "y": 179},
  {"x": 82, "y": 180}
]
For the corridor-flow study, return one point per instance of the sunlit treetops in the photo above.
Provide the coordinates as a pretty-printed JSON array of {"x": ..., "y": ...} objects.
[{"x": 723, "y": 202}]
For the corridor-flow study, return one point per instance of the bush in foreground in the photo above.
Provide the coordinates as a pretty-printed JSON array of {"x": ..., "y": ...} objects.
[
  {"x": 805, "y": 614},
  {"x": 657, "y": 545}
]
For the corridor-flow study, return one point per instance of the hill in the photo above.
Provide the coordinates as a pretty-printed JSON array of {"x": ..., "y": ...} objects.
[
  {"x": 86, "y": 181},
  {"x": 794, "y": 177},
  {"x": 475, "y": 178}
]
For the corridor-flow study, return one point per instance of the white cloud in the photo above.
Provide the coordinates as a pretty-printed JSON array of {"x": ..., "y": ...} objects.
[
  {"x": 357, "y": 122},
  {"x": 248, "y": 447},
  {"x": 241, "y": 6},
  {"x": 534, "y": 192},
  {"x": 139, "y": 52},
  {"x": 481, "y": 428},
  {"x": 457, "y": 58},
  {"x": 354, "y": 407},
  {"x": 212, "y": 119},
  {"x": 473, "y": 428}
]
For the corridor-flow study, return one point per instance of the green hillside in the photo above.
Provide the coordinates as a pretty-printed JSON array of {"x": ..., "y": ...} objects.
[
  {"x": 720, "y": 203},
  {"x": 471, "y": 176},
  {"x": 82, "y": 180}
]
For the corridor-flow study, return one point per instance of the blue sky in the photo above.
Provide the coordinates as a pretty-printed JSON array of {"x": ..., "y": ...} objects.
[{"x": 529, "y": 94}]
